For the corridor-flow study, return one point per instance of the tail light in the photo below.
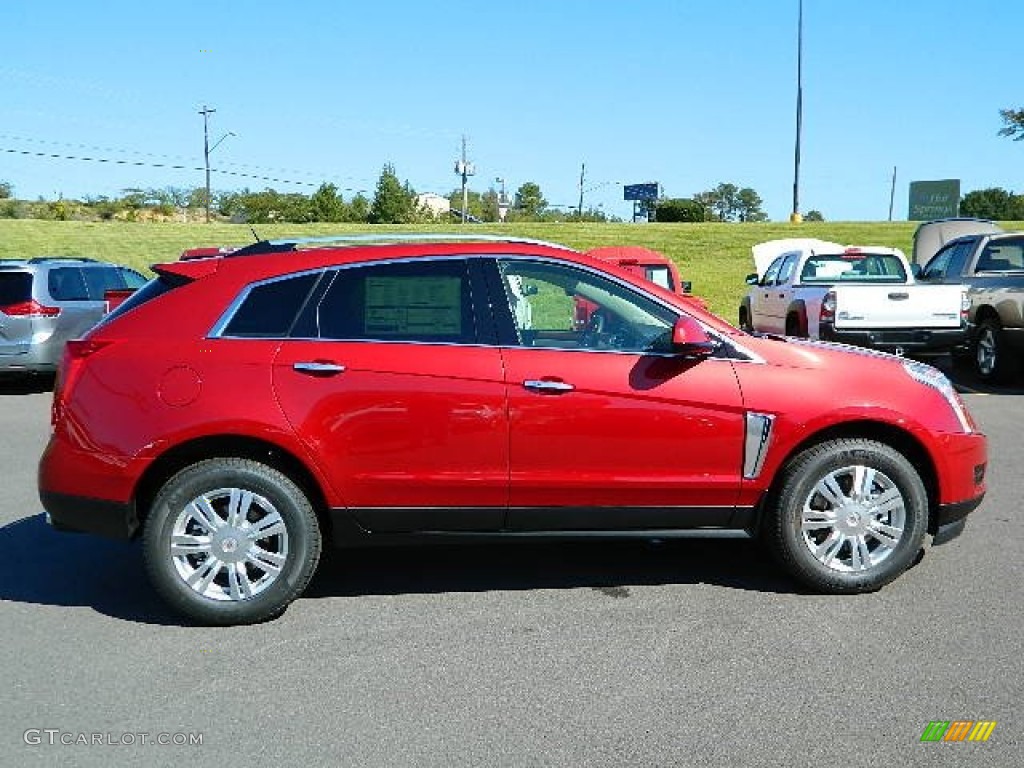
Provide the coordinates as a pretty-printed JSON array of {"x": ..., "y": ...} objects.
[
  {"x": 828, "y": 308},
  {"x": 70, "y": 370},
  {"x": 965, "y": 307},
  {"x": 30, "y": 308}
]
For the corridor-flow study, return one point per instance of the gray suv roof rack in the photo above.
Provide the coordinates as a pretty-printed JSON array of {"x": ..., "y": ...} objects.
[{"x": 46, "y": 259}]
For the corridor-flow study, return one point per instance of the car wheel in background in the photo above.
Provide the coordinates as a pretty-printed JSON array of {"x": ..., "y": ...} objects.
[
  {"x": 990, "y": 359},
  {"x": 231, "y": 541},
  {"x": 850, "y": 516}
]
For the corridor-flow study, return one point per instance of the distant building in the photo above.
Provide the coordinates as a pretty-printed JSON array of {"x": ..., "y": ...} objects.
[{"x": 438, "y": 205}]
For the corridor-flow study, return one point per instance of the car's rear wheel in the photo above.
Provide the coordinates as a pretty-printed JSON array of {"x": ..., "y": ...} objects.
[
  {"x": 231, "y": 541},
  {"x": 850, "y": 516}
]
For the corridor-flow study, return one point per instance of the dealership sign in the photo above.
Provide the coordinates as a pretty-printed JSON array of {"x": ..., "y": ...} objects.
[{"x": 934, "y": 200}]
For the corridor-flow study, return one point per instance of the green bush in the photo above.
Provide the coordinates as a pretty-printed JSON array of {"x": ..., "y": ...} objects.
[{"x": 677, "y": 209}]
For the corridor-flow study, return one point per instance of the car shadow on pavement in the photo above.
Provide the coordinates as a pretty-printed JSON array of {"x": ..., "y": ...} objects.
[
  {"x": 44, "y": 567},
  {"x": 608, "y": 566},
  {"x": 26, "y": 385}
]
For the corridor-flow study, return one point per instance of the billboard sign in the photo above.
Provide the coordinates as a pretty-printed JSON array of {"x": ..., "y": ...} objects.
[
  {"x": 934, "y": 200},
  {"x": 648, "y": 191}
]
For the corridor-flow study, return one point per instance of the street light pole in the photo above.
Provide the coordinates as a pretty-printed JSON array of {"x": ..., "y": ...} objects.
[
  {"x": 206, "y": 112},
  {"x": 795, "y": 216}
]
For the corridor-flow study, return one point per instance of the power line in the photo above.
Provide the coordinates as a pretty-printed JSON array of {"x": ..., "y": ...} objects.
[{"x": 170, "y": 166}]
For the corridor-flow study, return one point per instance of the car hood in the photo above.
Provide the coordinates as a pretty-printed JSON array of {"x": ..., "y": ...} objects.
[{"x": 811, "y": 354}]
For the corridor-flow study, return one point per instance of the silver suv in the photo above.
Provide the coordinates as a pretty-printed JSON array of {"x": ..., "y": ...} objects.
[{"x": 46, "y": 301}]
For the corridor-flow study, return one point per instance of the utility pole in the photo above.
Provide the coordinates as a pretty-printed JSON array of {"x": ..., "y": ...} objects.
[
  {"x": 464, "y": 169},
  {"x": 583, "y": 171},
  {"x": 206, "y": 112},
  {"x": 892, "y": 191},
  {"x": 795, "y": 216}
]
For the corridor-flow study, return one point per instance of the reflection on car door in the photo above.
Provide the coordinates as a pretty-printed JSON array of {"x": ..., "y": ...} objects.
[
  {"x": 385, "y": 380},
  {"x": 607, "y": 433}
]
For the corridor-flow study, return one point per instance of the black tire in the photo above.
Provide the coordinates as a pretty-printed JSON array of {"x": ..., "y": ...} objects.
[
  {"x": 991, "y": 361},
  {"x": 251, "y": 561},
  {"x": 861, "y": 552},
  {"x": 744, "y": 318},
  {"x": 795, "y": 326}
]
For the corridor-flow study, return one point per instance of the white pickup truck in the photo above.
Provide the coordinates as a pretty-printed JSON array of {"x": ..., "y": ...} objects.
[{"x": 865, "y": 296}]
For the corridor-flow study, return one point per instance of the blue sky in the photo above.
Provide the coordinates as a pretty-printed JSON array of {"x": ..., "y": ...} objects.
[{"x": 688, "y": 94}]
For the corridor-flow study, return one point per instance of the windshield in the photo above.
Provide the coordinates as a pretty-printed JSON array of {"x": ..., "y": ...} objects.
[{"x": 859, "y": 267}]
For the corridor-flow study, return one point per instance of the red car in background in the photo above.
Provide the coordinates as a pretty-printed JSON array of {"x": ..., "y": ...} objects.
[{"x": 279, "y": 395}]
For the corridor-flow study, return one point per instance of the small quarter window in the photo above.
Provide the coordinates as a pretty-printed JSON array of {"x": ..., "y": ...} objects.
[{"x": 269, "y": 309}]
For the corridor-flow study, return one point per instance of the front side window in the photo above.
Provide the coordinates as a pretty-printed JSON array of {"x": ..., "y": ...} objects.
[
  {"x": 1002, "y": 256},
  {"x": 560, "y": 306},
  {"x": 424, "y": 301},
  {"x": 787, "y": 268},
  {"x": 772, "y": 272}
]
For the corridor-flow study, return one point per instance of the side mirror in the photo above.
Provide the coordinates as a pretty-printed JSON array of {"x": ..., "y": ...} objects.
[
  {"x": 687, "y": 286},
  {"x": 529, "y": 289},
  {"x": 753, "y": 279},
  {"x": 689, "y": 338}
]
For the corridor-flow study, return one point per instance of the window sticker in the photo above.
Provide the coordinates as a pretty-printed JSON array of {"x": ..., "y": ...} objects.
[{"x": 414, "y": 306}]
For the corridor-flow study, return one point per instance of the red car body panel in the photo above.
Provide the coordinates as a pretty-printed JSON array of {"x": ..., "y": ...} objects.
[
  {"x": 415, "y": 425},
  {"x": 433, "y": 425},
  {"x": 634, "y": 430}
]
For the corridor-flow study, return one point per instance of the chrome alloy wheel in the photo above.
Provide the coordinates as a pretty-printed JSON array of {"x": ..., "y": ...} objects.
[
  {"x": 229, "y": 544},
  {"x": 987, "y": 352},
  {"x": 853, "y": 519}
]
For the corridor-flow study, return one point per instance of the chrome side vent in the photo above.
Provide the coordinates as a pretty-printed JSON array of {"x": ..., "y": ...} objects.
[{"x": 755, "y": 446}]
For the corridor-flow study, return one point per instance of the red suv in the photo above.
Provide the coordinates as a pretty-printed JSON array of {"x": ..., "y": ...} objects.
[{"x": 241, "y": 408}]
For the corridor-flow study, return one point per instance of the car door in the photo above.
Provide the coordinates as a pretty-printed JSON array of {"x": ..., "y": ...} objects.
[
  {"x": 387, "y": 381},
  {"x": 607, "y": 429},
  {"x": 760, "y": 298},
  {"x": 779, "y": 294}
]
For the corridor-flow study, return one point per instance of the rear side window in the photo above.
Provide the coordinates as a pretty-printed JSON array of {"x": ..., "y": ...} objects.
[
  {"x": 427, "y": 301},
  {"x": 269, "y": 309},
  {"x": 99, "y": 279},
  {"x": 67, "y": 284},
  {"x": 15, "y": 287}
]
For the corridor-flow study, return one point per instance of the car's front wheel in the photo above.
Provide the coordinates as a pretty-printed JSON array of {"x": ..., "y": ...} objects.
[
  {"x": 231, "y": 541},
  {"x": 850, "y": 516}
]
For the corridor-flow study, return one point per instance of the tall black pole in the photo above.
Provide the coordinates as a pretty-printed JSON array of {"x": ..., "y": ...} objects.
[
  {"x": 206, "y": 112},
  {"x": 583, "y": 172},
  {"x": 795, "y": 215}
]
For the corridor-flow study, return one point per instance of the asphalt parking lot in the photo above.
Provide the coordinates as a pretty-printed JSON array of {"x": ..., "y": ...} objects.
[{"x": 610, "y": 654}]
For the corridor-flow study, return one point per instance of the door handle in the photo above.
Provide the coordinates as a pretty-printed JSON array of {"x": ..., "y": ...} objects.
[
  {"x": 549, "y": 387},
  {"x": 900, "y": 296},
  {"x": 318, "y": 368}
]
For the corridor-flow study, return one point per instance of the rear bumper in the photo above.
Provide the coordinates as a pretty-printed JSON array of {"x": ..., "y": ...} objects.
[
  {"x": 903, "y": 340},
  {"x": 79, "y": 514}
]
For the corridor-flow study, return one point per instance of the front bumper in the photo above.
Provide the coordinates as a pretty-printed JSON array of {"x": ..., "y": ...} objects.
[{"x": 909, "y": 341}]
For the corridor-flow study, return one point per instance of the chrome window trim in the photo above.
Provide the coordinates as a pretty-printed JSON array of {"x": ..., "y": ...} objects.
[{"x": 217, "y": 331}]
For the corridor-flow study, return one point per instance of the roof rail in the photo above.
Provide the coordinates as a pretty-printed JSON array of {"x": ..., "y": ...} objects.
[
  {"x": 45, "y": 259},
  {"x": 290, "y": 244}
]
